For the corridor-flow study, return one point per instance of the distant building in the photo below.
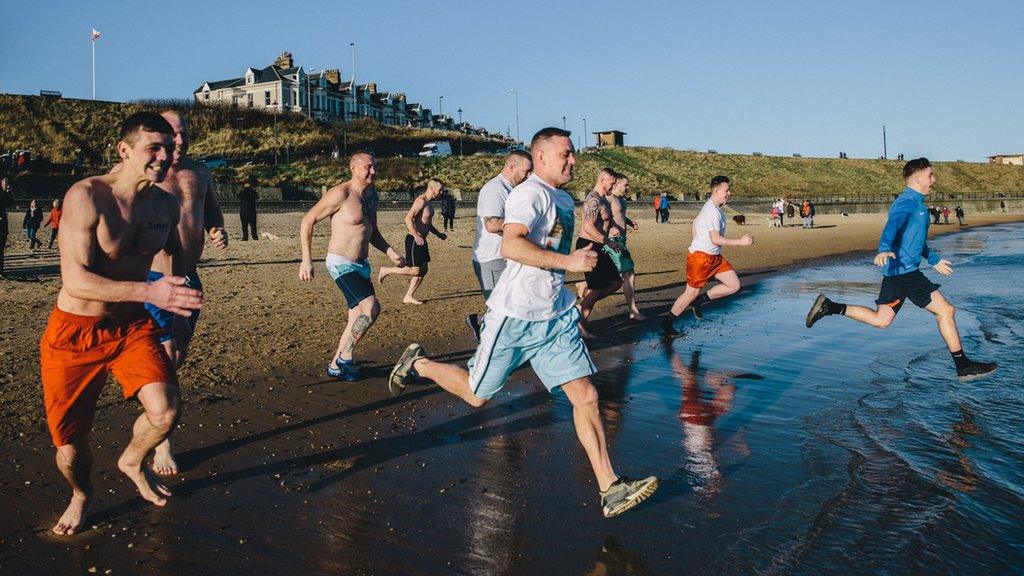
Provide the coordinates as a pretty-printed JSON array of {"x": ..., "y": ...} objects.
[
  {"x": 609, "y": 138},
  {"x": 1014, "y": 159},
  {"x": 322, "y": 95}
]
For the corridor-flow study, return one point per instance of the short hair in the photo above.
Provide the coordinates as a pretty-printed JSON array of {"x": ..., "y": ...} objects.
[
  {"x": 145, "y": 121},
  {"x": 521, "y": 153},
  {"x": 437, "y": 180},
  {"x": 718, "y": 181},
  {"x": 174, "y": 112},
  {"x": 547, "y": 134},
  {"x": 360, "y": 153},
  {"x": 915, "y": 166},
  {"x": 609, "y": 172}
]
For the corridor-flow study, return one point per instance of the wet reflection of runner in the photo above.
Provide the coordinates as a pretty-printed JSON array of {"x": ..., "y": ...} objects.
[{"x": 698, "y": 417}]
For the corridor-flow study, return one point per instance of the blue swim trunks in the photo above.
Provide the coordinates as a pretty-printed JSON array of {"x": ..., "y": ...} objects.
[
  {"x": 165, "y": 319},
  {"x": 352, "y": 278},
  {"x": 554, "y": 349}
]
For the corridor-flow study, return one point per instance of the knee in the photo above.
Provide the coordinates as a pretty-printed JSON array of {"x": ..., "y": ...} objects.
[
  {"x": 165, "y": 419},
  {"x": 946, "y": 311},
  {"x": 885, "y": 322},
  {"x": 584, "y": 396},
  {"x": 732, "y": 288},
  {"x": 415, "y": 270}
]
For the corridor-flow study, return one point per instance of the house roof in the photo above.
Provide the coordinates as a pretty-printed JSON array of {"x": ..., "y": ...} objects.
[
  {"x": 260, "y": 76},
  {"x": 609, "y": 132}
]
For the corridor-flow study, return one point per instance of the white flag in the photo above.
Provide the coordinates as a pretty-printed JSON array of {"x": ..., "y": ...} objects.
[{"x": 95, "y": 34}]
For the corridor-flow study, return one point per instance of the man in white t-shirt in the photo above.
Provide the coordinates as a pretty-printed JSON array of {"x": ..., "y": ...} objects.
[
  {"x": 490, "y": 217},
  {"x": 531, "y": 317},
  {"x": 704, "y": 260}
]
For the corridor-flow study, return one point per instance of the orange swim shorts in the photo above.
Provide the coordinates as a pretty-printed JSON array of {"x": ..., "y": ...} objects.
[
  {"x": 76, "y": 354},
  {"x": 701, "y": 267}
]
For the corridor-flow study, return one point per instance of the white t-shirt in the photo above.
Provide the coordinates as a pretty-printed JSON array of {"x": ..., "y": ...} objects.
[
  {"x": 527, "y": 292},
  {"x": 490, "y": 203},
  {"x": 710, "y": 218}
]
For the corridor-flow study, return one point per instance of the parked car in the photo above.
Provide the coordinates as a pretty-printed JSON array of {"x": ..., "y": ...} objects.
[
  {"x": 214, "y": 161},
  {"x": 439, "y": 148}
]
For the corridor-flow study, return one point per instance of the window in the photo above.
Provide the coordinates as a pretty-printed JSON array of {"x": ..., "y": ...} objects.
[
  {"x": 266, "y": 97},
  {"x": 248, "y": 100},
  {"x": 206, "y": 95}
]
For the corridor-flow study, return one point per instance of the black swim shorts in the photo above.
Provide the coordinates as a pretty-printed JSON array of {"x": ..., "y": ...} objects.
[
  {"x": 914, "y": 286},
  {"x": 416, "y": 255},
  {"x": 604, "y": 274}
]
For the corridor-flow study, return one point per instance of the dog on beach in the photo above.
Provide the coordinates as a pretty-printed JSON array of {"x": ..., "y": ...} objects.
[
  {"x": 740, "y": 219},
  {"x": 845, "y": 215}
]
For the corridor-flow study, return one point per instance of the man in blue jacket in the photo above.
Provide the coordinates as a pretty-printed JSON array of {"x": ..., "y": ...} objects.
[{"x": 903, "y": 245}]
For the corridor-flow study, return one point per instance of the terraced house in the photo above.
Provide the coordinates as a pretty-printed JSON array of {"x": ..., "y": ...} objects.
[{"x": 321, "y": 95}]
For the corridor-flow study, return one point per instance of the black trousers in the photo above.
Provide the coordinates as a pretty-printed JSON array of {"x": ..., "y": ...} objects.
[
  {"x": 449, "y": 221},
  {"x": 249, "y": 223}
]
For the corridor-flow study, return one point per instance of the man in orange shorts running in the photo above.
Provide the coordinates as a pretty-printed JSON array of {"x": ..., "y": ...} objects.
[
  {"x": 112, "y": 227},
  {"x": 705, "y": 261}
]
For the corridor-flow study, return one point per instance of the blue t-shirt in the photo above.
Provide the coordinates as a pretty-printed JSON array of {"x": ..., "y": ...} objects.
[{"x": 906, "y": 234}]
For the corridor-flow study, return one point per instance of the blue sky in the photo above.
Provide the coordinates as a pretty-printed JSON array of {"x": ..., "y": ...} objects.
[{"x": 816, "y": 78}]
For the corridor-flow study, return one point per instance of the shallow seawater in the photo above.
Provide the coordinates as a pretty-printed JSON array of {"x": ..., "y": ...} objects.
[{"x": 839, "y": 449}]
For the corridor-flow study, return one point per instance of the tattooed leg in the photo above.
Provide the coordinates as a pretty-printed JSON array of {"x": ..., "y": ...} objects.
[{"x": 359, "y": 321}]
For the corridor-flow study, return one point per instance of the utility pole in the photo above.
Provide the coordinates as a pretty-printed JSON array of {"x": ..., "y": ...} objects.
[
  {"x": 515, "y": 100},
  {"x": 461, "y": 131},
  {"x": 885, "y": 151},
  {"x": 584, "y": 134},
  {"x": 355, "y": 90},
  {"x": 563, "y": 122}
]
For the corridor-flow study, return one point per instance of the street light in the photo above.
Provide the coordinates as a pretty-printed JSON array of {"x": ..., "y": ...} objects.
[
  {"x": 352, "y": 86},
  {"x": 440, "y": 105},
  {"x": 274, "y": 104},
  {"x": 309, "y": 100},
  {"x": 461, "y": 130},
  {"x": 563, "y": 122},
  {"x": 515, "y": 101},
  {"x": 584, "y": 134}
]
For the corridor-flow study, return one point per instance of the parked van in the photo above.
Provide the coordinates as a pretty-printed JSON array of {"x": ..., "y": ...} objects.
[{"x": 439, "y": 148}]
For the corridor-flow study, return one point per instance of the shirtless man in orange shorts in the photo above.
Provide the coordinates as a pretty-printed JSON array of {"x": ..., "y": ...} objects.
[
  {"x": 705, "y": 261},
  {"x": 112, "y": 227}
]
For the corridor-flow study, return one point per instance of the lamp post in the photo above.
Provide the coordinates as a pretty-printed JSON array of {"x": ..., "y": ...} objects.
[
  {"x": 440, "y": 105},
  {"x": 584, "y": 134},
  {"x": 355, "y": 90},
  {"x": 515, "y": 103},
  {"x": 274, "y": 104},
  {"x": 309, "y": 96},
  {"x": 563, "y": 122},
  {"x": 461, "y": 130}
]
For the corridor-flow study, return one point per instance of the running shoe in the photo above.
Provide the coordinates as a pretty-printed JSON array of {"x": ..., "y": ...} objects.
[
  {"x": 473, "y": 321},
  {"x": 403, "y": 372},
  {"x": 668, "y": 327},
  {"x": 975, "y": 370},
  {"x": 343, "y": 370},
  {"x": 625, "y": 494},
  {"x": 818, "y": 310}
]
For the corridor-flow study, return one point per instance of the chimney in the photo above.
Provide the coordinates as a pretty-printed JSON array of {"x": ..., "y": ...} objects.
[
  {"x": 284, "y": 60},
  {"x": 333, "y": 76}
]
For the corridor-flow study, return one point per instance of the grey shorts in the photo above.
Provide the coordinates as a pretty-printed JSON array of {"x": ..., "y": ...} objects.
[{"x": 488, "y": 273}]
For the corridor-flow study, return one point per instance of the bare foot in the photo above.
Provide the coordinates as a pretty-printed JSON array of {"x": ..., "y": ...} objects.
[
  {"x": 381, "y": 275},
  {"x": 150, "y": 487},
  {"x": 163, "y": 460},
  {"x": 73, "y": 518},
  {"x": 409, "y": 300},
  {"x": 585, "y": 334},
  {"x": 638, "y": 316}
]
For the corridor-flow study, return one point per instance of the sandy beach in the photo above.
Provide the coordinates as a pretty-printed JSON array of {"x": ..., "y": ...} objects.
[{"x": 255, "y": 391}]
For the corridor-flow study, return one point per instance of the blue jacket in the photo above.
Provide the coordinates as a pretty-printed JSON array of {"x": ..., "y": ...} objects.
[{"x": 906, "y": 234}]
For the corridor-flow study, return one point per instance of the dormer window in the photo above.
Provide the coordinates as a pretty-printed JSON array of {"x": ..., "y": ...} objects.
[{"x": 250, "y": 78}]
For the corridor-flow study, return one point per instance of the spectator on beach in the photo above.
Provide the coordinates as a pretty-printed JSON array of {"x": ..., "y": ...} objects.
[
  {"x": 6, "y": 200},
  {"x": 247, "y": 211},
  {"x": 776, "y": 217},
  {"x": 663, "y": 205},
  {"x": 780, "y": 204},
  {"x": 657, "y": 208},
  {"x": 945, "y": 214},
  {"x": 448, "y": 210},
  {"x": 934, "y": 211},
  {"x": 33, "y": 218},
  {"x": 53, "y": 221},
  {"x": 959, "y": 214},
  {"x": 790, "y": 208},
  {"x": 807, "y": 213}
]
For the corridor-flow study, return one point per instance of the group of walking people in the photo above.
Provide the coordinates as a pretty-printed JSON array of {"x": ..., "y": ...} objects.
[{"x": 131, "y": 294}]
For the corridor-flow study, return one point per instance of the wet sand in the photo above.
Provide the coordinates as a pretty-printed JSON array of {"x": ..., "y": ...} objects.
[{"x": 285, "y": 470}]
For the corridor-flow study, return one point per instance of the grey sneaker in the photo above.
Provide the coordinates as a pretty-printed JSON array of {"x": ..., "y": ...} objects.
[
  {"x": 818, "y": 310},
  {"x": 625, "y": 494},
  {"x": 403, "y": 371}
]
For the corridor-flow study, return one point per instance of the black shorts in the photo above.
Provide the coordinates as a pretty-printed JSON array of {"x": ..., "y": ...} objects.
[
  {"x": 604, "y": 274},
  {"x": 914, "y": 286},
  {"x": 354, "y": 287},
  {"x": 416, "y": 255}
]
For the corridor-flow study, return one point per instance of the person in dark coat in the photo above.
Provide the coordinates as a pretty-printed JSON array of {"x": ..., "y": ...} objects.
[
  {"x": 33, "y": 218},
  {"x": 247, "y": 211},
  {"x": 6, "y": 200},
  {"x": 448, "y": 210}
]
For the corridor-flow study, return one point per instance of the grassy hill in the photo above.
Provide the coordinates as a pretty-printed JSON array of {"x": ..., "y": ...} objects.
[{"x": 57, "y": 128}]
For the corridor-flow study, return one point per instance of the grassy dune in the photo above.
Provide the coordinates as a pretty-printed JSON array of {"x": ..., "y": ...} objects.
[{"x": 56, "y": 128}]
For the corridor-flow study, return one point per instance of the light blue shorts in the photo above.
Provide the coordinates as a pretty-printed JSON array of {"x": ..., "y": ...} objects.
[{"x": 554, "y": 349}]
